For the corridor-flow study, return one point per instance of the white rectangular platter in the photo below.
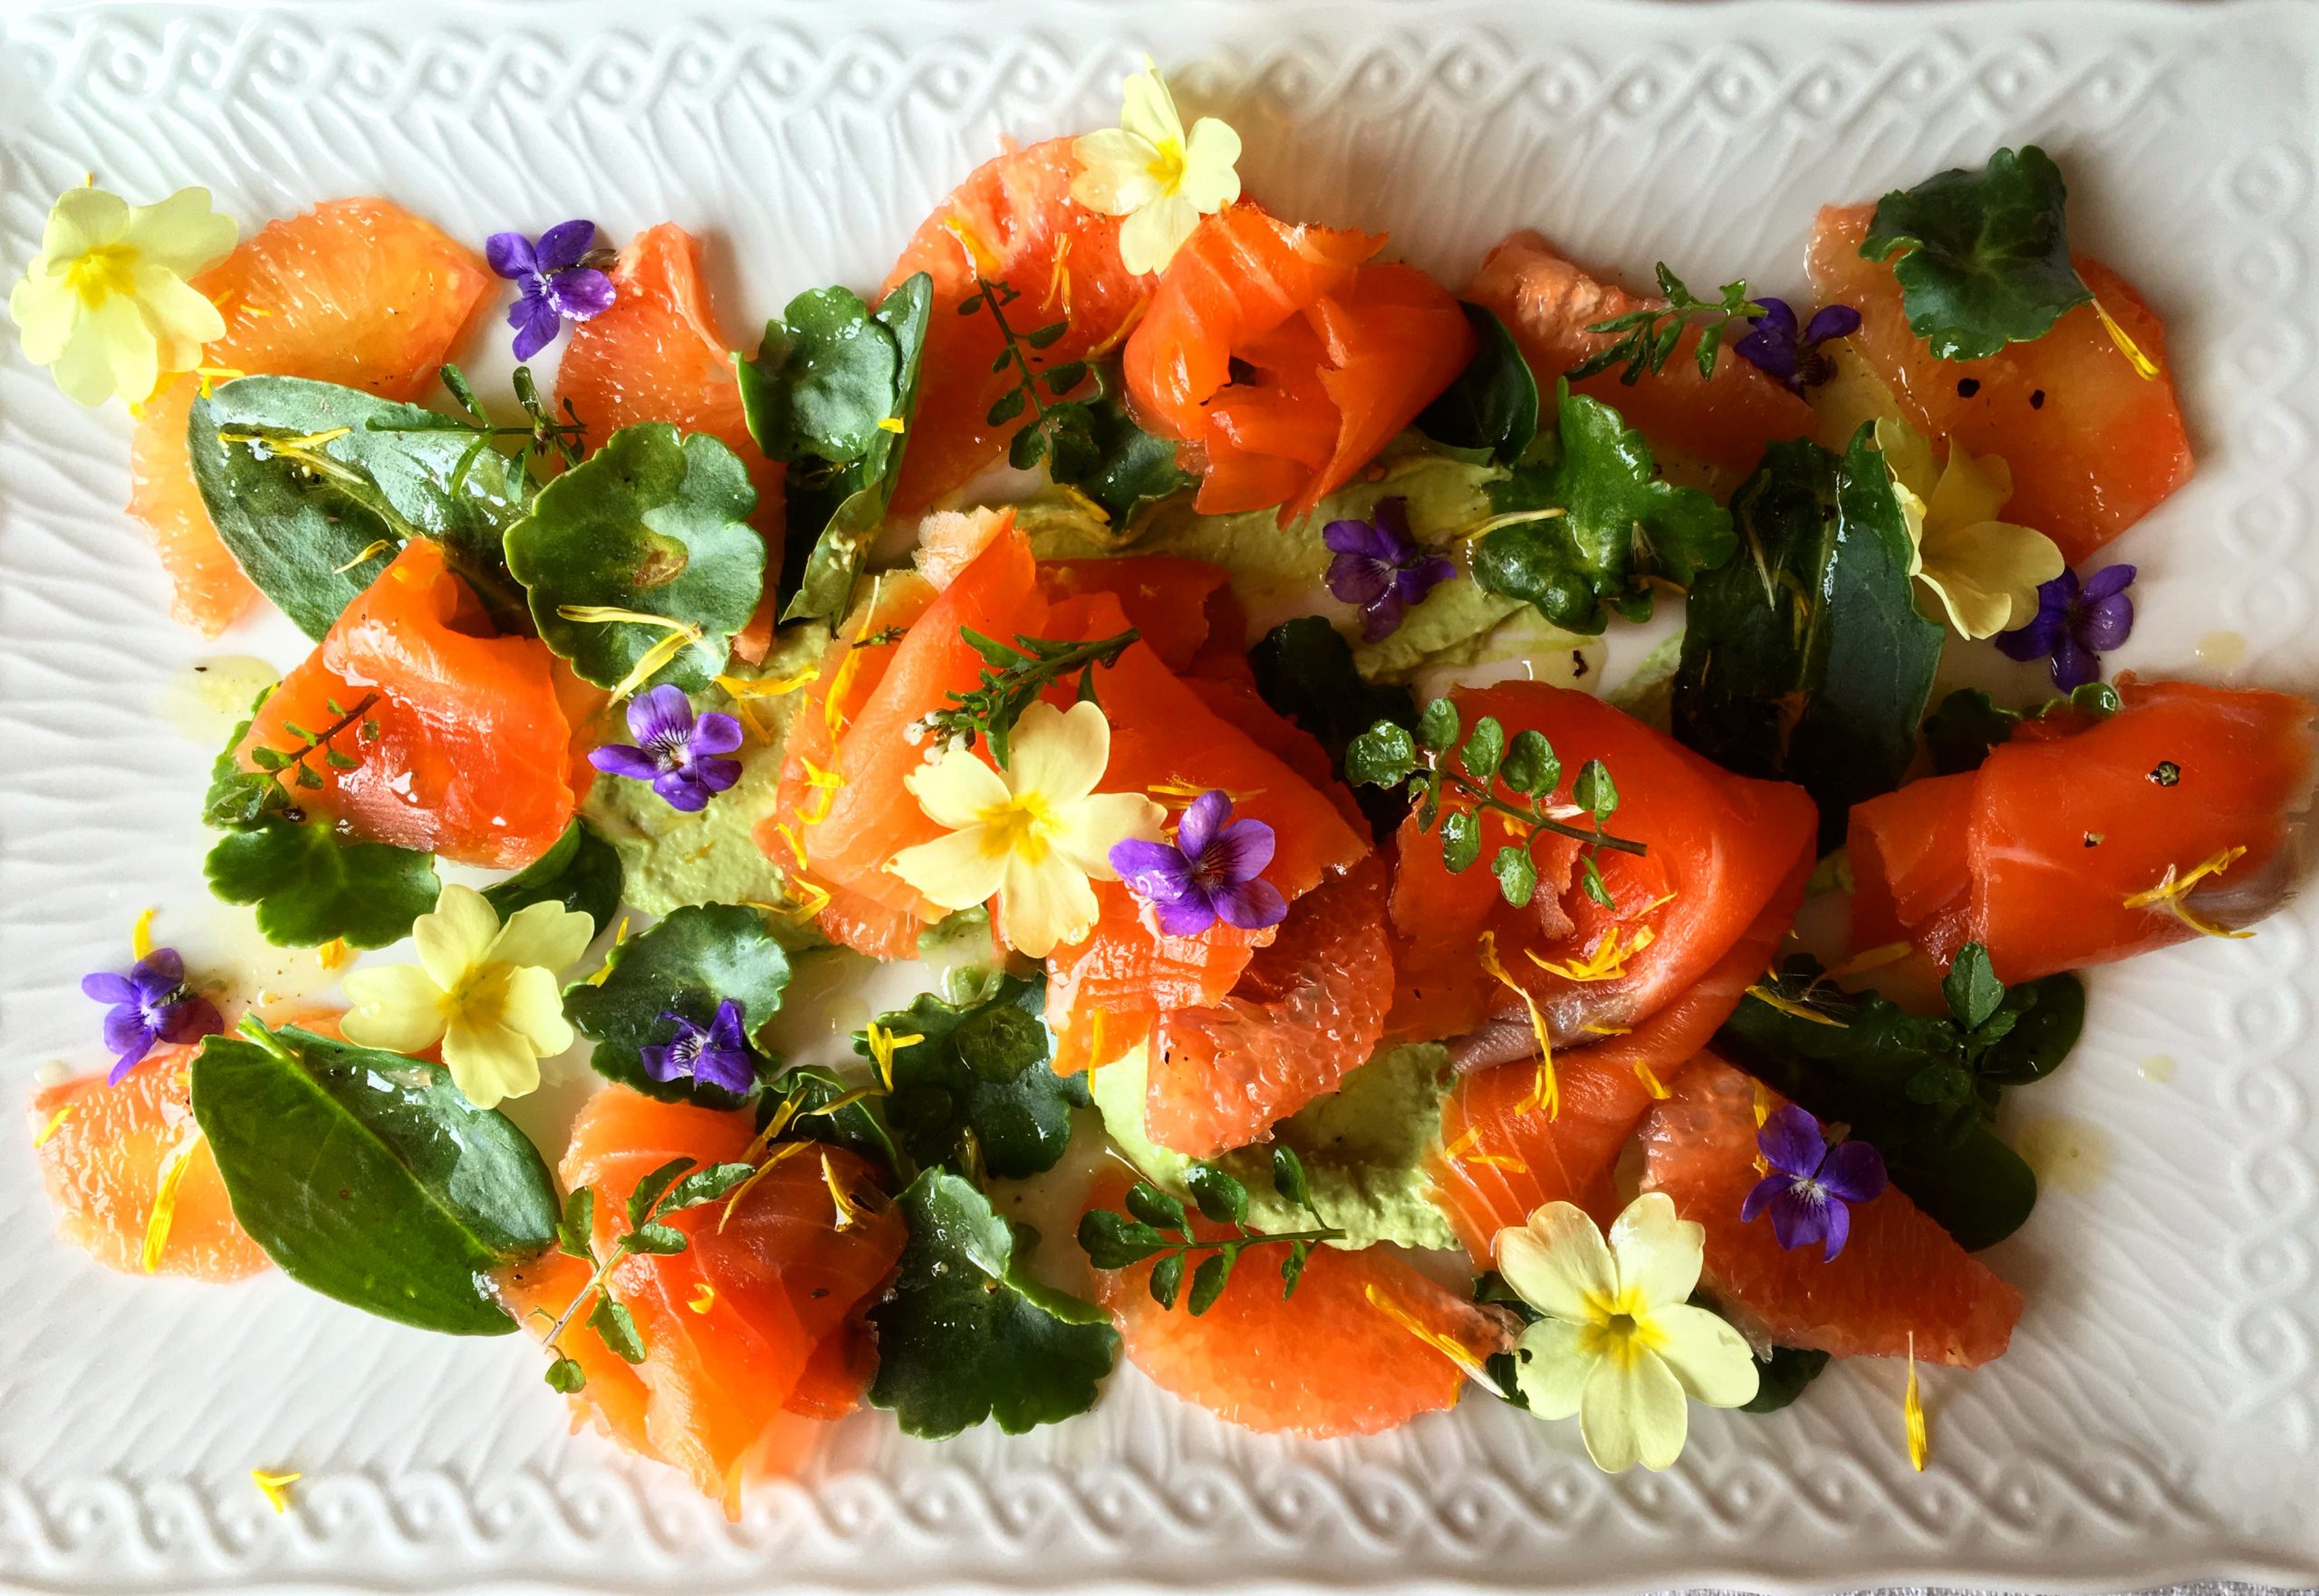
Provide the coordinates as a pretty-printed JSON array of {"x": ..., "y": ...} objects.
[{"x": 2158, "y": 1418}]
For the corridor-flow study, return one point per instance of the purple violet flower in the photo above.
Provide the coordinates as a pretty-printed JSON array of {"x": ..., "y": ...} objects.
[
  {"x": 1811, "y": 1182},
  {"x": 673, "y": 749},
  {"x": 1213, "y": 871},
  {"x": 2076, "y": 623},
  {"x": 559, "y": 279},
  {"x": 1775, "y": 348},
  {"x": 714, "y": 1054},
  {"x": 151, "y": 1005},
  {"x": 1380, "y": 568}
]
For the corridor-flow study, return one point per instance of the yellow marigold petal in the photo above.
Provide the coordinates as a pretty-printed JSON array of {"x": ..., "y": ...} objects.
[
  {"x": 2144, "y": 367},
  {"x": 165, "y": 1202},
  {"x": 274, "y": 1487},
  {"x": 1912, "y": 1414},
  {"x": 1545, "y": 1094},
  {"x": 1463, "y": 1360}
]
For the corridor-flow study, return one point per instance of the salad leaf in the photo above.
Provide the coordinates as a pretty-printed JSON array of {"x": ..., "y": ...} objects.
[
  {"x": 241, "y": 800},
  {"x": 1804, "y": 657},
  {"x": 1959, "y": 734},
  {"x": 1304, "y": 670},
  {"x": 980, "y": 1071},
  {"x": 687, "y": 964},
  {"x": 310, "y": 886},
  {"x": 1116, "y": 464},
  {"x": 579, "y": 871},
  {"x": 968, "y": 1336},
  {"x": 832, "y": 390},
  {"x": 1781, "y": 1377},
  {"x": 1983, "y": 256},
  {"x": 1491, "y": 408},
  {"x": 314, "y": 487},
  {"x": 1919, "y": 1089},
  {"x": 654, "y": 525},
  {"x": 369, "y": 1177},
  {"x": 1618, "y": 523},
  {"x": 856, "y": 1125}
]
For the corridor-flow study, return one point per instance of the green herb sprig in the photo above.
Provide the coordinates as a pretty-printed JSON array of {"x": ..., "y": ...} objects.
[
  {"x": 1525, "y": 767},
  {"x": 1013, "y": 677},
  {"x": 1061, "y": 431},
  {"x": 542, "y": 430},
  {"x": 1647, "y": 337},
  {"x": 667, "y": 1190},
  {"x": 275, "y": 761},
  {"x": 1157, "y": 1225}
]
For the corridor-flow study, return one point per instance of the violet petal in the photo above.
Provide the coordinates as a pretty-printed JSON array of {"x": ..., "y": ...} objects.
[
  {"x": 581, "y": 293},
  {"x": 618, "y": 759},
  {"x": 510, "y": 255},
  {"x": 1251, "y": 904},
  {"x": 682, "y": 793},
  {"x": 107, "y": 987},
  {"x": 126, "y": 1033},
  {"x": 562, "y": 246},
  {"x": 1854, "y": 1171},
  {"x": 535, "y": 323},
  {"x": 1240, "y": 852},
  {"x": 2074, "y": 665},
  {"x": 715, "y": 732},
  {"x": 1832, "y": 321},
  {"x": 2034, "y": 641},
  {"x": 1835, "y": 1224},
  {"x": 663, "y": 715},
  {"x": 1189, "y": 916},
  {"x": 717, "y": 774},
  {"x": 1791, "y": 1141},
  {"x": 1155, "y": 870},
  {"x": 1355, "y": 537},
  {"x": 2105, "y": 623},
  {"x": 1381, "y": 616},
  {"x": 2109, "y": 580},
  {"x": 1759, "y": 1195},
  {"x": 1359, "y": 579},
  {"x": 192, "y": 1020},
  {"x": 1797, "y": 1221},
  {"x": 1203, "y": 818}
]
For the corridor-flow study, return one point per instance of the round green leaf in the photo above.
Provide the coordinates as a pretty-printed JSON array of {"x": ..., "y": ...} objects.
[{"x": 686, "y": 964}]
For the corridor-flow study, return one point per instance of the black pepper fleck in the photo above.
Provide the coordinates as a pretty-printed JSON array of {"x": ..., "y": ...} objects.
[
  {"x": 1966, "y": 387},
  {"x": 2167, "y": 774},
  {"x": 1578, "y": 666},
  {"x": 2037, "y": 400},
  {"x": 2094, "y": 839}
]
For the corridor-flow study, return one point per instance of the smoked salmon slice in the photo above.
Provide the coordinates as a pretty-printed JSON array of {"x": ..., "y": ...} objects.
[
  {"x": 1720, "y": 848},
  {"x": 754, "y": 1331},
  {"x": 1014, "y": 220},
  {"x": 2179, "y": 812},
  {"x": 458, "y": 738},
  {"x": 1899, "y": 1274},
  {"x": 1508, "y": 1152},
  {"x": 1548, "y": 303},
  {"x": 356, "y": 291},
  {"x": 657, "y": 355},
  {"x": 2092, "y": 446},
  {"x": 1358, "y": 1348}
]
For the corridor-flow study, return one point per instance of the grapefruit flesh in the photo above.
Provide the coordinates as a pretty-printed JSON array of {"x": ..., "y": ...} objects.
[
  {"x": 1327, "y": 1361},
  {"x": 357, "y": 291},
  {"x": 1900, "y": 1273},
  {"x": 656, "y": 354},
  {"x": 472, "y": 757},
  {"x": 1548, "y": 303},
  {"x": 2092, "y": 446}
]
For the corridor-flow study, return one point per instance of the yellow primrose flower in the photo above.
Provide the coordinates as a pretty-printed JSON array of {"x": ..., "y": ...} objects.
[
  {"x": 1618, "y": 1345},
  {"x": 1035, "y": 834},
  {"x": 105, "y": 305},
  {"x": 1147, "y": 171},
  {"x": 488, "y": 992},
  {"x": 1985, "y": 572}
]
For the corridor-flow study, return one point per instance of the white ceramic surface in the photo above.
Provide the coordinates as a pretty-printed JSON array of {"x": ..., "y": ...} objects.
[{"x": 2155, "y": 1419}]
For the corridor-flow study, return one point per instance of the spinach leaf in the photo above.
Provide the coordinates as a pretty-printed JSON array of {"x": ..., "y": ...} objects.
[
  {"x": 1920, "y": 1088},
  {"x": 832, "y": 390},
  {"x": 310, "y": 887},
  {"x": 579, "y": 871},
  {"x": 369, "y": 1177},
  {"x": 314, "y": 487},
  {"x": 687, "y": 965},
  {"x": 1984, "y": 256},
  {"x": 1618, "y": 524},
  {"x": 1491, "y": 408},
  {"x": 1804, "y": 657},
  {"x": 1116, "y": 464},
  {"x": 1304, "y": 670},
  {"x": 968, "y": 1336},
  {"x": 1780, "y": 1379},
  {"x": 980, "y": 1071},
  {"x": 646, "y": 541}
]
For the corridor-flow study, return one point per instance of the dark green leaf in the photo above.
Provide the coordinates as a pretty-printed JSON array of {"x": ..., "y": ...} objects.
[
  {"x": 616, "y": 1327},
  {"x": 367, "y": 1177},
  {"x": 1968, "y": 723},
  {"x": 1530, "y": 765},
  {"x": 654, "y": 523},
  {"x": 1291, "y": 1267},
  {"x": 1517, "y": 875},
  {"x": 1594, "y": 792},
  {"x": 1972, "y": 989},
  {"x": 834, "y": 511},
  {"x": 2049, "y": 1014},
  {"x": 303, "y": 505},
  {"x": 1622, "y": 522},
  {"x": 565, "y": 1375},
  {"x": 1009, "y": 406},
  {"x": 1804, "y": 658},
  {"x": 648, "y": 1189},
  {"x": 579, "y": 871},
  {"x": 1782, "y": 1378},
  {"x": 1438, "y": 726},
  {"x": 966, "y": 1336},
  {"x": 1159, "y": 1209},
  {"x": 309, "y": 887},
  {"x": 241, "y": 800},
  {"x": 1483, "y": 750},
  {"x": 858, "y": 1127},
  {"x": 1114, "y": 1241},
  {"x": 823, "y": 378},
  {"x": 1208, "y": 1280},
  {"x": 1288, "y": 1176},
  {"x": 659, "y": 1240},
  {"x": 1984, "y": 256},
  {"x": 1940, "y": 1083},
  {"x": 1303, "y": 668},
  {"x": 1381, "y": 756},
  {"x": 980, "y": 1073},
  {"x": 575, "y": 1225},
  {"x": 1126, "y": 467},
  {"x": 1220, "y": 1197},
  {"x": 687, "y": 964},
  {"x": 1167, "y": 1280},
  {"x": 1493, "y": 405},
  {"x": 1461, "y": 840}
]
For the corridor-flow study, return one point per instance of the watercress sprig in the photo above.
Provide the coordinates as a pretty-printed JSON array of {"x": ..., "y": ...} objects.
[
  {"x": 1526, "y": 767},
  {"x": 1060, "y": 432},
  {"x": 541, "y": 431},
  {"x": 274, "y": 761},
  {"x": 1114, "y": 1240},
  {"x": 1647, "y": 336},
  {"x": 1013, "y": 677},
  {"x": 667, "y": 1190}
]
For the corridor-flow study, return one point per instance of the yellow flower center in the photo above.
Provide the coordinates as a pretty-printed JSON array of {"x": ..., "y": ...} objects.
[
  {"x": 103, "y": 273},
  {"x": 1020, "y": 828},
  {"x": 481, "y": 996},
  {"x": 1166, "y": 166},
  {"x": 1620, "y": 1331}
]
